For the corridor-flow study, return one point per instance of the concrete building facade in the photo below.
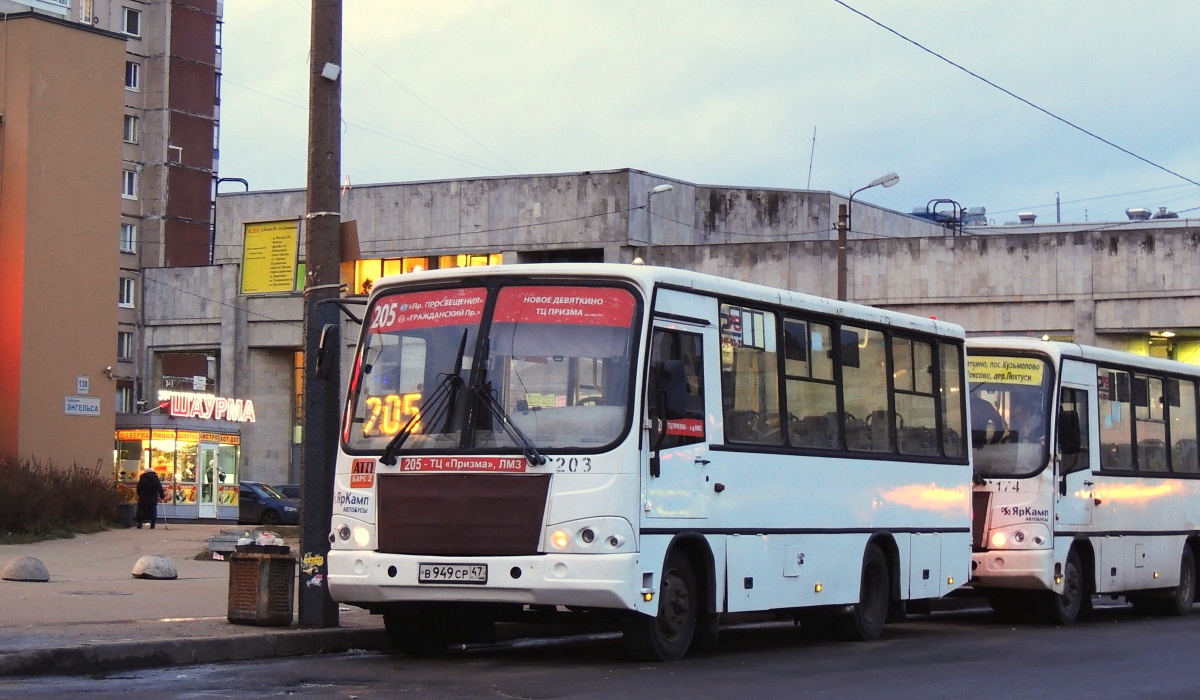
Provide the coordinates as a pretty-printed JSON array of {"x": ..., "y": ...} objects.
[{"x": 1118, "y": 286}]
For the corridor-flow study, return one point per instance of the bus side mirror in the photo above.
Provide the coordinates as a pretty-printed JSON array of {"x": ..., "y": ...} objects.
[{"x": 327, "y": 352}]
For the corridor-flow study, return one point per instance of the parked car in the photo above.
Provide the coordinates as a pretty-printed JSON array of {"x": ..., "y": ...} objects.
[
  {"x": 260, "y": 504},
  {"x": 289, "y": 490}
]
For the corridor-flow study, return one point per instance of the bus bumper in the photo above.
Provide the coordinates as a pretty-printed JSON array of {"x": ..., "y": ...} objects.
[
  {"x": 1028, "y": 569},
  {"x": 584, "y": 580}
]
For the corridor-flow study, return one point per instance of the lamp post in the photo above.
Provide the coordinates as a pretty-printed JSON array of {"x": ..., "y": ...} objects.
[
  {"x": 212, "y": 233},
  {"x": 843, "y": 227},
  {"x": 650, "y": 219}
]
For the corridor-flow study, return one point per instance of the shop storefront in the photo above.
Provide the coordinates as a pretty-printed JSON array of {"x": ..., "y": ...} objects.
[{"x": 197, "y": 462}]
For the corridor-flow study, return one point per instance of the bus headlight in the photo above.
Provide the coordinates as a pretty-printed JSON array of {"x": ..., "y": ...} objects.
[
  {"x": 590, "y": 536},
  {"x": 1021, "y": 536},
  {"x": 351, "y": 534}
]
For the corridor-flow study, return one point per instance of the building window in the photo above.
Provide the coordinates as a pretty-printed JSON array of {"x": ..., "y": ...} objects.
[
  {"x": 129, "y": 184},
  {"x": 125, "y": 403},
  {"x": 125, "y": 294},
  {"x": 133, "y": 75},
  {"x": 128, "y": 238},
  {"x": 125, "y": 346},
  {"x": 131, "y": 129},
  {"x": 131, "y": 21}
]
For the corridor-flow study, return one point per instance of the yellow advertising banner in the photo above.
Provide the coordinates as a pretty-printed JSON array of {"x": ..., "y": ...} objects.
[
  {"x": 1024, "y": 371},
  {"x": 269, "y": 257}
]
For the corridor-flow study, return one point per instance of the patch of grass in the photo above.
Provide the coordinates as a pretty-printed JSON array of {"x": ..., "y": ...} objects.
[{"x": 42, "y": 501}]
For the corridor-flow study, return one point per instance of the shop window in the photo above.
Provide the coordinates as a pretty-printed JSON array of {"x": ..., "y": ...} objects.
[
  {"x": 298, "y": 396},
  {"x": 188, "y": 372}
]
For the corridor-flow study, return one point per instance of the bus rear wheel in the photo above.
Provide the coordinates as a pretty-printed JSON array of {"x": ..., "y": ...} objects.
[
  {"x": 864, "y": 623},
  {"x": 667, "y": 636},
  {"x": 1179, "y": 599}
]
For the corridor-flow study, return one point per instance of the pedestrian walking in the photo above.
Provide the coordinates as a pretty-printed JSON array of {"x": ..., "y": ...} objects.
[{"x": 149, "y": 492}]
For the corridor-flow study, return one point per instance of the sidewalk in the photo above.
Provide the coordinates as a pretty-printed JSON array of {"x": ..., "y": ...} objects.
[{"x": 93, "y": 615}]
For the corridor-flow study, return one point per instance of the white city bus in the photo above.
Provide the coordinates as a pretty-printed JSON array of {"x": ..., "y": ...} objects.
[
  {"x": 1087, "y": 478},
  {"x": 644, "y": 445}
]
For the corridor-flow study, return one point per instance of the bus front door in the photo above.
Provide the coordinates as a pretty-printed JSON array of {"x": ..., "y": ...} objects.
[
  {"x": 676, "y": 430},
  {"x": 1074, "y": 500}
]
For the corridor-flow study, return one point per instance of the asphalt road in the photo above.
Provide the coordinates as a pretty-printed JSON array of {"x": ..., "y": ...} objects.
[{"x": 959, "y": 654}]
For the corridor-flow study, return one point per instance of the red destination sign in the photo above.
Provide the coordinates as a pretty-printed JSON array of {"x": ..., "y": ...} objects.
[
  {"x": 462, "y": 464},
  {"x": 443, "y": 307},
  {"x": 580, "y": 306}
]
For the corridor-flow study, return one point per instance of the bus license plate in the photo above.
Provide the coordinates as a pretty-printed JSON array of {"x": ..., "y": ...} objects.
[{"x": 452, "y": 573}]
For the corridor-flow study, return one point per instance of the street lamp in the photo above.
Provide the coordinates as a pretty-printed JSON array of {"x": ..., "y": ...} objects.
[
  {"x": 212, "y": 234},
  {"x": 843, "y": 227},
  {"x": 650, "y": 217}
]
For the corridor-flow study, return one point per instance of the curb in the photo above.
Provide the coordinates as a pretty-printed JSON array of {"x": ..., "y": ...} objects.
[{"x": 98, "y": 657}]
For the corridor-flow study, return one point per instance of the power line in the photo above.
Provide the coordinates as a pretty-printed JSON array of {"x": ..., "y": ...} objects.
[
  {"x": 1012, "y": 94},
  {"x": 368, "y": 129}
]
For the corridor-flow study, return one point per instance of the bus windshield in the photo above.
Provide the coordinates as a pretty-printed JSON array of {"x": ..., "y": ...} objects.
[
  {"x": 551, "y": 372},
  {"x": 1009, "y": 414}
]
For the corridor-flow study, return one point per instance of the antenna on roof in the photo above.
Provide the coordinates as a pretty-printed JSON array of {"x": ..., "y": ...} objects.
[{"x": 808, "y": 185}]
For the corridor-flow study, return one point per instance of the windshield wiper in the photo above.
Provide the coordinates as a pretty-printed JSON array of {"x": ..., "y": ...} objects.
[
  {"x": 488, "y": 399},
  {"x": 440, "y": 402}
]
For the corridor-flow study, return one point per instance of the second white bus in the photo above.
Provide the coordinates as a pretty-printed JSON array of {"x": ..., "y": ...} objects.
[{"x": 1087, "y": 478}]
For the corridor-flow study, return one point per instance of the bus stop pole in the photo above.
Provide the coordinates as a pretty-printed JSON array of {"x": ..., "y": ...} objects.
[{"x": 322, "y": 224}]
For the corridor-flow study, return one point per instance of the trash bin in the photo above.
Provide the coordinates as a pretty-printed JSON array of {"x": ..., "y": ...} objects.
[
  {"x": 262, "y": 584},
  {"x": 125, "y": 513}
]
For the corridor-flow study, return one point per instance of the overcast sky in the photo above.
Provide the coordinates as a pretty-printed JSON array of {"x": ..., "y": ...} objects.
[{"x": 730, "y": 93}]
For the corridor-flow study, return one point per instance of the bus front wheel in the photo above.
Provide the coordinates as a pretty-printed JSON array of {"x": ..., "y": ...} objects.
[
  {"x": 865, "y": 622},
  {"x": 667, "y": 636},
  {"x": 1064, "y": 608},
  {"x": 416, "y": 633}
]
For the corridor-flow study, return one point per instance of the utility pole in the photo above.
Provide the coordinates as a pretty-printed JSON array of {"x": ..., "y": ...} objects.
[
  {"x": 322, "y": 229},
  {"x": 843, "y": 224}
]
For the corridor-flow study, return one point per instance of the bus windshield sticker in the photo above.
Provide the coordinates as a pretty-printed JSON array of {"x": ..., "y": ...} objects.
[
  {"x": 1004, "y": 370},
  {"x": 578, "y": 306},
  {"x": 443, "y": 307}
]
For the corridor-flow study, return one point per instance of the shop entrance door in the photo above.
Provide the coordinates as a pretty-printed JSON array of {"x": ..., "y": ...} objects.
[{"x": 209, "y": 478}]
